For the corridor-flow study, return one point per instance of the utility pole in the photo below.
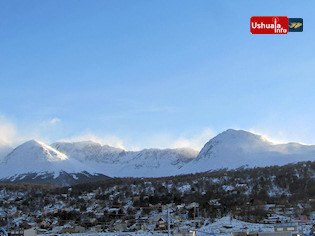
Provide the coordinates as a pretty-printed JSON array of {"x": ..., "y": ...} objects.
[
  {"x": 195, "y": 216},
  {"x": 198, "y": 218},
  {"x": 302, "y": 225},
  {"x": 168, "y": 222}
]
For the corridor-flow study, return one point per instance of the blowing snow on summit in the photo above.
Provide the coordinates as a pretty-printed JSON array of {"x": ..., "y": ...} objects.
[{"x": 231, "y": 149}]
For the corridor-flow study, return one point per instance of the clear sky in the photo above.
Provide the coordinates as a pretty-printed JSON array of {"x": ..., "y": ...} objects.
[{"x": 153, "y": 73}]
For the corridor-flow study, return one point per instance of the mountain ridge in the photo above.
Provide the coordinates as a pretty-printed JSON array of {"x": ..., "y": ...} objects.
[
  {"x": 238, "y": 148},
  {"x": 230, "y": 149}
]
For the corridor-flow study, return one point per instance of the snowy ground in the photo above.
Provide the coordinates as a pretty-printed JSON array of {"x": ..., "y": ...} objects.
[
  {"x": 142, "y": 233},
  {"x": 225, "y": 226},
  {"x": 221, "y": 227}
]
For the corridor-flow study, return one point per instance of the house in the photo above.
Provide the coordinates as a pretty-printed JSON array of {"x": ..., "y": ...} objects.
[
  {"x": 44, "y": 224},
  {"x": 184, "y": 232},
  {"x": 3, "y": 213},
  {"x": 96, "y": 191},
  {"x": 241, "y": 187},
  {"x": 25, "y": 225},
  {"x": 30, "y": 232},
  {"x": 192, "y": 205},
  {"x": 286, "y": 227},
  {"x": 153, "y": 220},
  {"x": 120, "y": 225},
  {"x": 92, "y": 220},
  {"x": 68, "y": 230},
  {"x": 180, "y": 217},
  {"x": 97, "y": 228},
  {"x": 271, "y": 220},
  {"x": 41, "y": 231},
  {"x": 22, "y": 232},
  {"x": 284, "y": 233},
  {"x": 17, "y": 214},
  {"x": 143, "y": 226},
  {"x": 239, "y": 233},
  {"x": 79, "y": 229},
  {"x": 33, "y": 224},
  {"x": 17, "y": 232},
  {"x": 136, "y": 198},
  {"x": 161, "y": 224}
]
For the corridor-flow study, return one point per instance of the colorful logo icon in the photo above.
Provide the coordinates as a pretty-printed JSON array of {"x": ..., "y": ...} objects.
[
  {"x": 269, "y": 25},
  {"x": 295, "y": 24},
  {"x": 275, "y": 25}
]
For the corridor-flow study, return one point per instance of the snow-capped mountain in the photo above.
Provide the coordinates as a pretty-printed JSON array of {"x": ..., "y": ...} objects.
[
  {"x": 68, "y": 163},
  {"x": 39, "y": 160},
  {"x": 121, "y": 163},
  {"x": 86, "y": 151},
  {"x": 238, "y": 148},
  {"x": 157, "y": 162}
]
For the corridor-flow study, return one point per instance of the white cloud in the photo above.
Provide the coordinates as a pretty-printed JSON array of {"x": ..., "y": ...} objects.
[
  {"x": 195, "y": 142},
  {"x": 284, "y": 128},
  {"x": 46, "y": 129},
  {"x": 299, "y": 132},
  {"x": 7, "y": 130},
  {"x": 14, "y": 135},
  {"x": 110, "y": 140},
  {"x": 54, "y": 121},
  {"x": 167, "y": 140},
  {"x": 161, "y": 140}
]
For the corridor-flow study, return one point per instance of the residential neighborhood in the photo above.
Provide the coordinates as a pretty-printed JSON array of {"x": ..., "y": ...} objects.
[{"x": 176, "y": 204}]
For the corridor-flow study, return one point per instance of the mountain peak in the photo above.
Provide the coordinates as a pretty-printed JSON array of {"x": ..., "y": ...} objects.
[
  {"x": 239, "y": 148},
  {"x": 239, "y": 136},
  {"x": 34, "y": 142},
  {"x": 237, "y": 132},
  {"x": 36, "y": 150},
  {"x": 35, "y": 156},
  {"x": 234, "y": 138}
]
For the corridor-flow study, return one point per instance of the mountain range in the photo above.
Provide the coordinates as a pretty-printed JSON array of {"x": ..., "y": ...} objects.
[{"x": 66, "y": 163}]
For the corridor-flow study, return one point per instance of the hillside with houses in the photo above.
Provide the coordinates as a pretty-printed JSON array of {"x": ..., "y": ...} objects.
[{"x": 267, "y": 196}]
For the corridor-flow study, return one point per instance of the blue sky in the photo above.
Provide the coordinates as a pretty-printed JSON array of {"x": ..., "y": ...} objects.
[{"x": 153, "y": 73}]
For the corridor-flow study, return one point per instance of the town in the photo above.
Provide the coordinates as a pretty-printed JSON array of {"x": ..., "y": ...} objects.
[{"x": 180, "y": 204}]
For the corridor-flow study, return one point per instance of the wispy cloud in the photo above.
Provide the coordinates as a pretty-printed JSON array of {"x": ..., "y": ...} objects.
[
  {"x": 282, "y": 129},
  {"x": 168, "y": 140},
  {"x": 7, "y": 130},
  {"x": 109, "y": 139},
  {"x": 161, "y": 140},
  {"x": 13, "y": 134},
  {"x": 196, "y": 142},
  {"x": 46, "y": 129},
  {"x": 54, "y": 121}
]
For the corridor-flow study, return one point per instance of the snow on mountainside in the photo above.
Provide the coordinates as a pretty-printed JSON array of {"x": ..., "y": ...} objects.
[
  {"x": 36, "y": 157},
  {"x": 237, "y": 148},
  {"x": 88, "y": 151},
  {"x": 5, "y": 149},
  {"x": 67, "y": 163},
  {"x": 118, "y": 162},
  {"x": 157, "y": 162}
]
